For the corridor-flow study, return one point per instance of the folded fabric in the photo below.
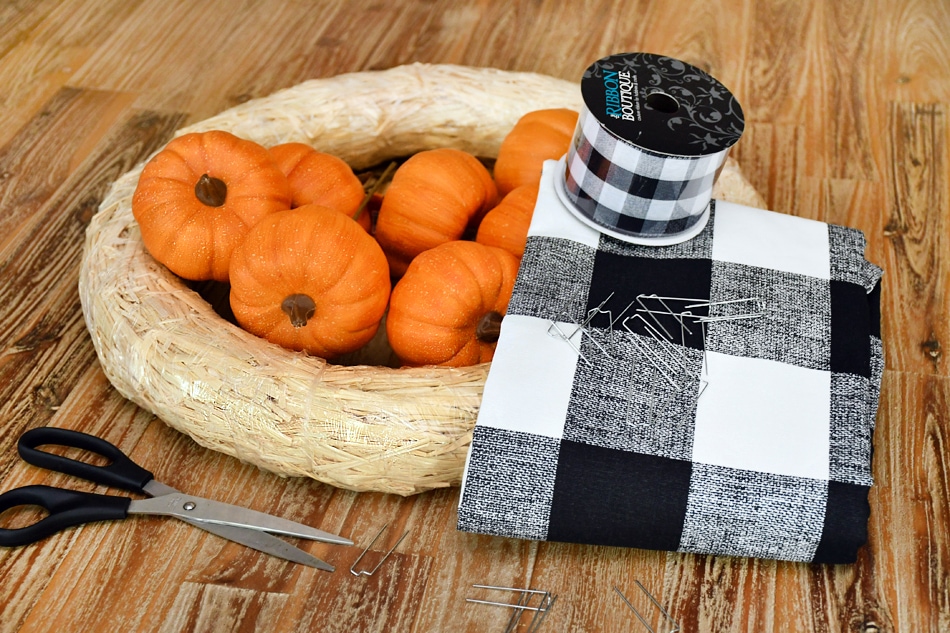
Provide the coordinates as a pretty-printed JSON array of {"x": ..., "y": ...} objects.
[{"x": 715, "y": 396}]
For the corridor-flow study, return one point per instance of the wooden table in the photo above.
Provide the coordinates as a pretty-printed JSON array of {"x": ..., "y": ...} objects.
[{"x": 846, "y": 106}]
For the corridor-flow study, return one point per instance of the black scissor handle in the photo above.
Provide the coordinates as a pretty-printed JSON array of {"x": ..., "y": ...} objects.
[
  {"x": 66, "y": 508},
  {"x": 122, "y": 472}
]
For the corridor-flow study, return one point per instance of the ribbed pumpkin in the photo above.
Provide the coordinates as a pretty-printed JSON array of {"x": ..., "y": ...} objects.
[
  {"x": 537, "y": 136},
  {"x": 197, "y": 198},
  {"x": 319, "y": 178},
  {"x": 447, "y": 309},
  {"x": 433, "y": 197},
  {"x": 506, "y": 226},
  {"x": 310, "y": 279}
]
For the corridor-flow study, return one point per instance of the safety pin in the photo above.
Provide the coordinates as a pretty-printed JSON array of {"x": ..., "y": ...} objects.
[
  {"x": 522, "y": 605},
  {"x": 363, "y": 572},
  {"x": 676, "y": 626}
]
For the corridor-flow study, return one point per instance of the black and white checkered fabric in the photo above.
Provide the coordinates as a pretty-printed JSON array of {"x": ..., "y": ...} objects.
[
  {"x": 760, "y": 446},
  {"x": 632, "y": 190}
]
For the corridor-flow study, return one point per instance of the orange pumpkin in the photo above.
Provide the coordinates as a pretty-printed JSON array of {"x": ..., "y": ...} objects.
[
  {"x": 319, "y": 178},
  {"x": 433, "y": 197},
  {"x": 197, "y": 198},
  {"x": 310, "y": 279},
  {"x": 536, "y": 137},
  {"x": 506, "y": 226},
  {"x": 447, "y": 309}
]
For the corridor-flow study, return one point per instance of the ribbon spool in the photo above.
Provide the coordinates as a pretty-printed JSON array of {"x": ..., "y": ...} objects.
[{"x": 650, "y": 141}]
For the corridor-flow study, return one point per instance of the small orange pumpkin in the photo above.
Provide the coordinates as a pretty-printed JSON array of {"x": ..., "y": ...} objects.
[
  {"x": 310, "y": 279},
  {"x": 447, "y": 309},
  {"x": 197, "y": 198},
  {"x": 537, "y": 136},
  {"x": 319, "y": 178},
  {"x": 506, "y": 226},
  {"x": 433, "y": 197}
]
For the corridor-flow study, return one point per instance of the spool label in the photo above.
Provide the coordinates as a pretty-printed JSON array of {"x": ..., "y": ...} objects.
[
  {"x": 662, "y": 104},
  {"x": 621, "y": 95}
]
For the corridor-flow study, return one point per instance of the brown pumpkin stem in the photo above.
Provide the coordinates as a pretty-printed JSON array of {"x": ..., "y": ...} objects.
[
  {"x": 211, "y": 191},
  {"x": 489, "y": 327},
  {"x": 374, "y": 188},
  {"x": 299, "y": 308}
]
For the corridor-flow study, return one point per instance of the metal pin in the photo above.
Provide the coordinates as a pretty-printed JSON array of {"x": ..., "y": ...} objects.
[
  {"x": 655, "y": 359},
  {"x": 597, "y": 310},
  {"x": 364, "y": 572},
  {"x": 610, "y": 315},
  {"x": 567, "y": 339},
  {"x": 706, "y": 304},
  {"x": 756, "y": 304},
  {"x": 676, "y": 626},
  {"x": 655, "y": 320},
  {"x": 669, "y": 311},
  {"x": 522, "y": 605}
]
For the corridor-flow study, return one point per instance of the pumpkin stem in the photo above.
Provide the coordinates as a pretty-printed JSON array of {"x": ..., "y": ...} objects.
[
  {"x": 299, "y": 308},
  {"x": 211, "y": 191},
  {"x": 489, "y": 327},
  {"x": 374, "y": 188}
]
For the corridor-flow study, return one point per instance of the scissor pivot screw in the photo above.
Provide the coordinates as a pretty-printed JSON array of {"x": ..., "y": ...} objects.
[{"x": 190, "y": 505}]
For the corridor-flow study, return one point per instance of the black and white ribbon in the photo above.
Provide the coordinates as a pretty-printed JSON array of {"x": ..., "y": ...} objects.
[{"x": 648, "y": 146}]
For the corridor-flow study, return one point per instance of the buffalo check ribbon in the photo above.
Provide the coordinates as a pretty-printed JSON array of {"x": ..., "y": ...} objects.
[{"x": 759, "y": 443}]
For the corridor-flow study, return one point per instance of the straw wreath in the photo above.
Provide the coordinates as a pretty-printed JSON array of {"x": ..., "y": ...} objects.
[{"x": 361, "y": 427}]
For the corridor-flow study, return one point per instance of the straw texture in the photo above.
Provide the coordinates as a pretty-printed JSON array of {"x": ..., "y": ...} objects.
[{"x": 161, "y": 345}]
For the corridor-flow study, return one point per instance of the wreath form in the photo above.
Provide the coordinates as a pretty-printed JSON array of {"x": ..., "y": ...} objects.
[{"x": 363, "y": 427}]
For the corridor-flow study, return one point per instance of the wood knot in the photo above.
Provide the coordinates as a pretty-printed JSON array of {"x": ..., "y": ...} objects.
[
  {"x": 893, "y": 228},
  {"x": 931, "y": 347}
]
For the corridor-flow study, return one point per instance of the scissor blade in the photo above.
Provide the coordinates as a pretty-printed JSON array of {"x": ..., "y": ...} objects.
[
  {"x": 255, "y": 539},
  {"x": 202, "y": 510},
  {"x": 262, "y": 542}
]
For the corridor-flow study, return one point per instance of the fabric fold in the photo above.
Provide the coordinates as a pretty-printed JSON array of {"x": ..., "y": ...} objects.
[{"x": 714, "y": 396}]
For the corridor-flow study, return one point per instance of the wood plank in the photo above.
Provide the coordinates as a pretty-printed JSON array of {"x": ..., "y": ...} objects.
[
  {"x": 846, "y": 105},
  {"x": 249, "y": 52},
  {"x": 49, "y": 45},
  {"x": 776, "y": 78},
  {"x": 44, "y": 346},
  {"x": 916, "y": 221},
  {"x": 837, "y": 96},
  {"x": 29, "y": 570},
  {"x": 912, "y": 51},
  {"x": 209, "y": 608},
  {"x": 24, "y": 187},
  {"x": 50, "y": 208},
  {"x": 771, "y": 156},
  {"x": 910, "y": 505}
]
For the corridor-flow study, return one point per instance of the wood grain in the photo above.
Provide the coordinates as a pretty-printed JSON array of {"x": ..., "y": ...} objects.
[{"x": 846, "y": 106}]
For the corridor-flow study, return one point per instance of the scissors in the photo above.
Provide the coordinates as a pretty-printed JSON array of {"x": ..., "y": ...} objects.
[{"x": 68, "y": 508}]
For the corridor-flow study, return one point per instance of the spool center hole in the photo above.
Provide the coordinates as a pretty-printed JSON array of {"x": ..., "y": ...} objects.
[{"x": 662, "y": 102}]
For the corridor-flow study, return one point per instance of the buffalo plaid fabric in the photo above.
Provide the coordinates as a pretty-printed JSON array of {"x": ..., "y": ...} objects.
[
  {"x": 634, "y": 191},
  {"x": 758, "y": 445}
]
